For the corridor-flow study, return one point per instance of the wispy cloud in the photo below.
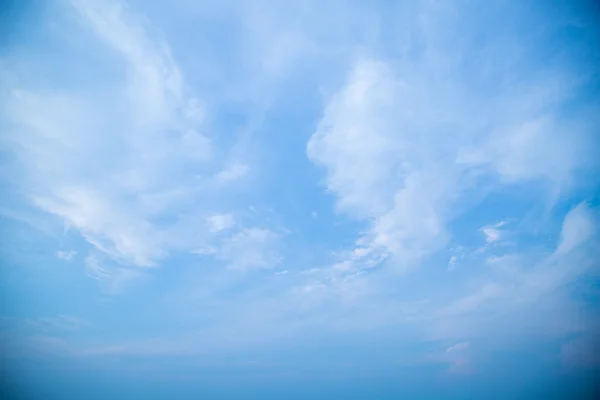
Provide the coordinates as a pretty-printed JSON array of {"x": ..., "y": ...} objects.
[
  {"x": 232, "y": 173},
  {"x": 220, "y": 222},
  {"x": 493, "y": 233},
  {"x": 579, "y": 226},
  {"x": 251, "y": 248},
  {"x": 387, "y": 161},
  {"x": 56, "y": 324},
  {"x": 129, "y": 168},
  {"x": 458, "y": 347},
  {"x": 106, "y": 172},
  {"x": 66, "y": 255},
  {"x": 113, "y": 279}
]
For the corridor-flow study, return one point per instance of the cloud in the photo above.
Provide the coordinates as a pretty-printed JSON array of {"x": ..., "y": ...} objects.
[
  {"x": 66, "y": 255},
  {"x": 250, "y": 248},
  {"x": 435, "y": 122},
  {"x": 408, "y": 146},
  {"x": 519, "y": 293},
  {"x": 126, "y": 237},
  {"x": 369, "y": 165},
  {"x": 232, "y": 173},
  {"x": 242, "y": 249},
  {"x": 57, "y": 324},
  {"x": 359, "y": 157},
  {"x": 473, "y": 301},
  {"x": 220, "y": 222},
  {"x": 124, "y": 162},
  {"x": 113, "y": 279},
  {"x": 458, "y": 347},
  {"x": 579, "y": 225},
  {"x": 458, "y": 254},
  {"x": 493, "y": 233},
  {"x": 156, "y": 86},
  {"x": 452, "y": 262}
]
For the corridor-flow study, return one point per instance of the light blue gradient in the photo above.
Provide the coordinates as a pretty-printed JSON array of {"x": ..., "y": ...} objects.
[{"x": 264, "y": 200}]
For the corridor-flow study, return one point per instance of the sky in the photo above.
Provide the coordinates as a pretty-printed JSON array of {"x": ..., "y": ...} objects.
[{"x": 251, "y": 199}]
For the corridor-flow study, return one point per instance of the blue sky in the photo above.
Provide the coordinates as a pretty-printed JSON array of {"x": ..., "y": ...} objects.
[{"x": 249, "y": 199}]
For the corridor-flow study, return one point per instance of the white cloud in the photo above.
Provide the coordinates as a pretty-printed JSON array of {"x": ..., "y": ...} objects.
[
  {"x": 457, "y": 358},
  {"x": 458, "y": 347},
  {"x": 493, "y": 233},
  {"x": 410, "y": 143},
  {"x": 250, "y": 248},
  {"x": 360, "y": 157},
  {"x": 578, "y": 226},
  {"x": 406, "y": 162},
  {"x": 220, "y": 222},
  {"x": 452, "y": 262},
  {"x": 124, "y": 166},
  {"x": 205, "y": 251},
  {"x": 522, "y": 292},
  {"x": 531, "y": 149},
  {"x": 113, "y": 279},
  {"x": 361, "y": 252},
  {"x": 473, "y": 301},
  {"x": 156, "y": 86},
  {"x": 232, "y": 173},
  {"x": 127, "y": 237},
  {"x": 66, "y": 255},
  {"x": 458, "y": 254},
  {"x": 377, "y": 169}
]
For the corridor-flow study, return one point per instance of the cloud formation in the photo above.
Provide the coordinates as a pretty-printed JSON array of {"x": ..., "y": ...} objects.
[{"x": 316, "y": 190}]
